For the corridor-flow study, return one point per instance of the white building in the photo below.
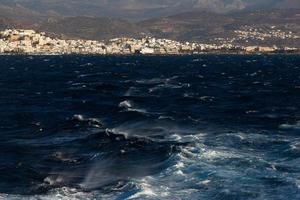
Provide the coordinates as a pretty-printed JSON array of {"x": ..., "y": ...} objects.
[{"x": 147, "y": 50}]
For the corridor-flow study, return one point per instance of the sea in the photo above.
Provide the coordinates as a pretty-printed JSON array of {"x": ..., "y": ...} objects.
[{"x": 150, "y": 127}]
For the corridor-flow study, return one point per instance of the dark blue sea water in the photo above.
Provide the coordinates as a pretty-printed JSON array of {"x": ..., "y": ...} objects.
[{"x": 186, "y": 127}]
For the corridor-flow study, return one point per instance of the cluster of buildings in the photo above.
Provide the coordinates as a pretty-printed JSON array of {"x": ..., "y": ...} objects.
[
  {"x": 32, "y": 42},
  {"x": 261, "y": 34},
  {"x": 265, "y": 35}
]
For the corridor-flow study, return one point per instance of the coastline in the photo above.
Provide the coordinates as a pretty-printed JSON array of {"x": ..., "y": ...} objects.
[
  {"x": 150, "y": 55},
  {"x": 30, "y": 42}
]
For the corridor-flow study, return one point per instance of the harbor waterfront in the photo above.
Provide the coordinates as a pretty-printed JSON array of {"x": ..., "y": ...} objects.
[{"x": 18, "y": 41}]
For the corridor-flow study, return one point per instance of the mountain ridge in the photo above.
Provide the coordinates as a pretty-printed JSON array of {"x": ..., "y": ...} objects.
[
  {"x": 198, "y": 26},
  {"x": 140, "y": 9}
]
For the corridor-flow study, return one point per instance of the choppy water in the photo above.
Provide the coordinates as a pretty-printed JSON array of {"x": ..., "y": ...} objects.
[{"x": 190, "y": 127}]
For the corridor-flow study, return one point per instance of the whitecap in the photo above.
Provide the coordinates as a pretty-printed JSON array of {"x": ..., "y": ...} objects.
[
  {"x": 251, "y": 111},
  {"x": 91, "y": 121},
  {"x": 253, "y": 74},
  {"x": 294, "y": 148},
  {"x": 175, "y": 137},
  {"x": 207, "y": 98},
  {"x": 290, "y": 126},
  {"x": 204, "y": 182},
  {"x": 90, "y": 75},
  {"x": 131, "y": 91},
  {"x": 151, "y": 81},
  {"x": 166, "y": 117},
  {"x": 179, "y": 172},
  {"x": 179, "y": 165},
  {"x": 298, "y": 183},
  {"x": 125, "y": 104},
  {"x": 196, "y": 60},
  {"x": 78, "y": 117},
  {"x": 53, "y": 180},
  {"x": 158, "y": 130},
  {"x": 63, "y": 193},
  {"x": 128, "y": 105},
  {"x": 214, "y": 154},
  {"x": 169, "y": 86},
  {"x": 145, "y": 191},
  {"x": 117, "y": 131},
  {"x": 86, "y": 65}
]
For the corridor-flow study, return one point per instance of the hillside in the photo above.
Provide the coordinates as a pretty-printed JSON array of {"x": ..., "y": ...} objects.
[
  {"x": 203, "y": 26},
  {"x": 280, "y": 27},
  {"x": 91, "y": 28},
  {"x": 139, "y": 9}
]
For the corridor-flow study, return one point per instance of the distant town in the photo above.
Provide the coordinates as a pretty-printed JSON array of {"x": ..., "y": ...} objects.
[{"x": 19, "y": 41}]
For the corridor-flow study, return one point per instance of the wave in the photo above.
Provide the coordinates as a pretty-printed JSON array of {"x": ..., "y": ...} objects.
[
  {"x": 126, "y": 104},
  {"x": 154, "y": 81},
  {"x": 290, "y": 126},
  {"x": 163, "y": 129},
  {"x": 169, "y": 86},
  {"x": 89, "y": 121},
  {"x": 86, "y": 64},
  {"x": 130, "y": 107}
]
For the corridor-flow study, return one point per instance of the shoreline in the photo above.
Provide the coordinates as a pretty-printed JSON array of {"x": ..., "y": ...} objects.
[
  {"x": 30, "y": 42},
  {"x": 150, "y": 55}
]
